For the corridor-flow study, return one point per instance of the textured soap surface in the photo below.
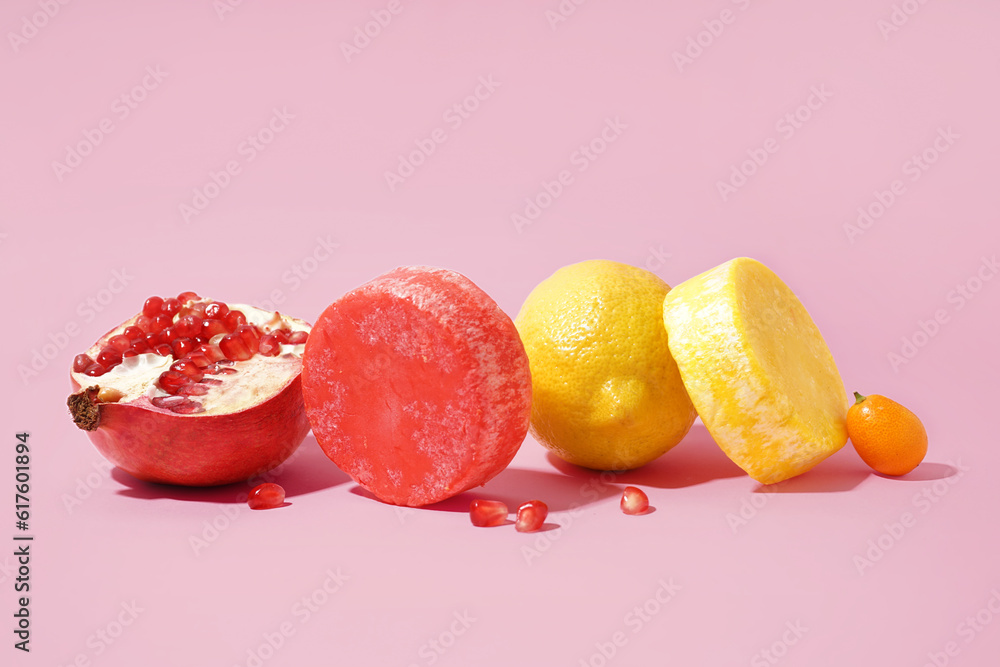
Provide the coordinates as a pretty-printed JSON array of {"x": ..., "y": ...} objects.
[
  {"x": 757, "y": 369},
  {"x": 417, "y": 385}
]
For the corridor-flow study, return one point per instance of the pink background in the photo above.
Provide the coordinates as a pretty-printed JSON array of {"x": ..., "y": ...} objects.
[{"x": 651, "y": 198}]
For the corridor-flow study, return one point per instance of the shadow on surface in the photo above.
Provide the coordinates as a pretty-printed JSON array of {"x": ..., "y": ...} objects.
[
  {"x": 841, "y": 472},
  {"x": 695, "y": 460},
  {"x": 925, "y": 472},
  {"x": 515, "y": 486},
  {"x": 307, "y": 470}
]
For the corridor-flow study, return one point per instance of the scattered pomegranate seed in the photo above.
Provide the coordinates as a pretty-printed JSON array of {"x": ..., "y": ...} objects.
[
  {"x": 280, "y": 335},
  {"x": 234, "y": 347},
  {"x": 216, "y": 310},
  {"x": 139, "y": 346},
  {"x": 266, "y": 496},
  {"x": 94, "y": 370},
  {"x": 144, "y": 322},
  {"x": 269, "y": 346},
  {"x": 531, "y": 516},
  {"x": 152, "y": 306},
  {"x": 80, "y": 363},
  {"x": 170, "y": 307},
  {"x": 171, "y": 381},
  {"x": 298, "y": 337},
  {"x": 181, "y": 347},
  {"x": 233, "y": 319},
  {"x": 634, "y": 500},
  {"x": 163, "y": 350},
  {"x": 487, "y": 513},
  {"x": 184, "y": 297}
]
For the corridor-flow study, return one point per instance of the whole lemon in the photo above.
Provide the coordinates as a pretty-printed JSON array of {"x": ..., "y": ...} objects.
[{"x": 606, "y": 394}]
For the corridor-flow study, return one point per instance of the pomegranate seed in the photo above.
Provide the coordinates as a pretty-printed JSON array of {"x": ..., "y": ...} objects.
[
  {"x": 80, "y": 363},
  {"x": 197, "y": 358},
  {"x": 193, "y": 389},
  {"x": 188, "y": 407},
  {"x": 143, "y": 322},
  {"x": 269, "y": 346},
  {"x": 487, "y": 513},
  {"x": 134, "y": 333},
  {"x": 171, "y": 334},
  {"x": 280, "y": 335},
  {"x": 634, "y": 501},
  {"x": 216, "y": 310},
  {"x": 182, "y": 347},
  {"x": 140, "y": 346},
  {"x": 211, "y": 351},
  {"x": 210, "y": 328},
  {"x": 298, "y": 337},
  {"x": 109, "y": 357},
  {"x": 199, "y": 340},
  {"x": 234, "y": 347},
  {"x": 215, "y": 369},
  {"x": 152, "y": 306},
  {"x": 211, "y": 381},
  {"x": 166, "y": 401},
  {"x": 188, "y": 326},
  {"x": 266, "y": 496},
  {"x": 184, "y": 297},
  {"x": 188, "y": 368},
  {"x": 250, "y": 337},
  {"x": 171, "y": 381},
  {"x": 170, "y": 307},
  {"x": 233, "y": 319},
  {"x": 119, "y": 342},
  {"x": 95, "y": 370},
  {"x": 196, "y": 309},
  {"x": 226, "y": 362},
  {"x": 160, "y": 323},
  {"x": 163, "y": 350},
  {"x": 129, "y": 353},
  {"x": 531, "y": 516}
]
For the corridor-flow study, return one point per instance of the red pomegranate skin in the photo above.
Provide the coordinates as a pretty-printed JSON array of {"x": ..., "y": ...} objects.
[{"x": 156, "y": 445}]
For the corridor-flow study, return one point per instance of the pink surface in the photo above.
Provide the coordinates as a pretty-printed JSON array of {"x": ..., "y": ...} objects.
[{"x": 244, "y": 154}]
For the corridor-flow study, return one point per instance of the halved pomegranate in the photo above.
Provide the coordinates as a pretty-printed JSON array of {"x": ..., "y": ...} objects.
[{"x": 194, "y": 391}]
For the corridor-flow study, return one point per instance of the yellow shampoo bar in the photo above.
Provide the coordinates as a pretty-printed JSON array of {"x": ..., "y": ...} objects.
[{"x": 757, "y": 369}]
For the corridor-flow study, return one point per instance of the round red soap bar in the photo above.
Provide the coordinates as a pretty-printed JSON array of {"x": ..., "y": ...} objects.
[{"x": 417, "y": 385}]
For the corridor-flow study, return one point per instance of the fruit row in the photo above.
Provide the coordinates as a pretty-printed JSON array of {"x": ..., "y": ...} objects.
[{"x": 420, "y": 387}]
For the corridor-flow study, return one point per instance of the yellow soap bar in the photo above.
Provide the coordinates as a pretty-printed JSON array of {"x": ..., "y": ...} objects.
[{"x": 757, "y": 369}]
